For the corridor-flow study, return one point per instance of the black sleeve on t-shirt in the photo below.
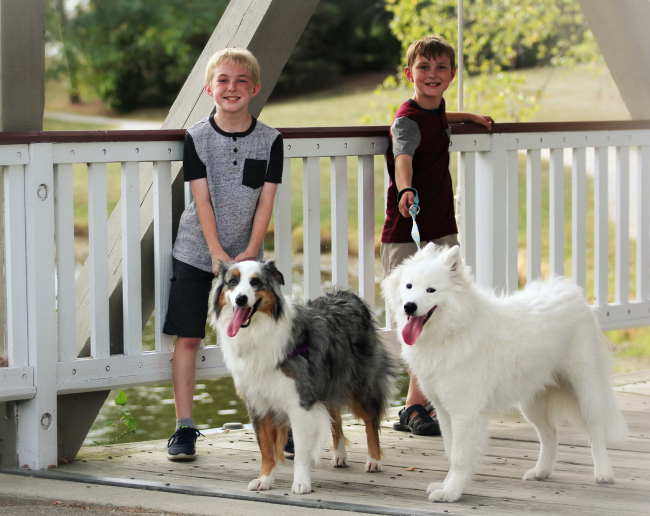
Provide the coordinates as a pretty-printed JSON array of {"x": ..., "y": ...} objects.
[
  {"x": 193, "y": 167},
  {"x": 276, "y": 161}
]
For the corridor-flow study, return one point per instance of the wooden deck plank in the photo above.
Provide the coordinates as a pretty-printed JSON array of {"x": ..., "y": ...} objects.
[{"x": 229, "y": 460}]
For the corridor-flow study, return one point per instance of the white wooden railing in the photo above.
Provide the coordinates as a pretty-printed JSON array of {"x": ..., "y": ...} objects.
[{"x": 46, "y": 318}]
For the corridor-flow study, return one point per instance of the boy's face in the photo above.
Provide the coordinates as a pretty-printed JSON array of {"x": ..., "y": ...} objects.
[
  {"x": 430, "y": 78},
  {"x": 232, "y": 87}
]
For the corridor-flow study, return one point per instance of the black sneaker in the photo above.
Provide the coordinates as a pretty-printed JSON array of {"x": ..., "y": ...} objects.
[
  {"x": 418, "y": 420},
  {"x": 180, "y": 445},
  {"x": 289, "y": 452}
]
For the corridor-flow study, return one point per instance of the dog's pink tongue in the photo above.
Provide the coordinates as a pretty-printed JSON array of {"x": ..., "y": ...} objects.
[
  {"x": 412, "y": 329},
  {"x": 239, "y": 318}
]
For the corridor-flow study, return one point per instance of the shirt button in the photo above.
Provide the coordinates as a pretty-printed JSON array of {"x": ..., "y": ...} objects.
[
  {"x": 235, "y": 149},
  {"x": 234, "y": 138},
  {"x": 234, "y": 162}
]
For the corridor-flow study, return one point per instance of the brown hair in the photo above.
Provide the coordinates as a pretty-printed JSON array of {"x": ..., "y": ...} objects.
[{"x": 429, "y": 47}]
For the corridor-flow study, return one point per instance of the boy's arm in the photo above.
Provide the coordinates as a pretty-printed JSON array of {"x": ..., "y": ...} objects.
[
  {"x": 260, "y": 222},
  {"x": 484, "y": 120},
  {"x": 404, "y": 179},
  {"x": 265, "y": 203},
  {"x": 208, "y": 221}
]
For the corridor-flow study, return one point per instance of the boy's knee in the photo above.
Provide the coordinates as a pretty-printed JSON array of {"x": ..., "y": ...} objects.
[{"x": 188, "y": 344}]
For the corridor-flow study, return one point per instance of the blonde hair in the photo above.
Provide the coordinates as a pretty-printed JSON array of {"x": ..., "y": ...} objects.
[
  {"x": 430, "y": 47},
  {"x": 239, "y": 56}
]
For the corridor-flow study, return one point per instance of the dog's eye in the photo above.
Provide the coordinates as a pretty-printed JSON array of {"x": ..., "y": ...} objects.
[
  {"x": 408, "y": 285},
  {"x": 431, "y": 290},
  {"x": 255, "y": 282},
  {"x": 232, "y": 282}
]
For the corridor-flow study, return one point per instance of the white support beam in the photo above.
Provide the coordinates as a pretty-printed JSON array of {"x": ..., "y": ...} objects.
[{"x": 621, "y": 29}]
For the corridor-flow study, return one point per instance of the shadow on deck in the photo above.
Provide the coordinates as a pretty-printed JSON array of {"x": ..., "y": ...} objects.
[{"x": 227, "y": 461}]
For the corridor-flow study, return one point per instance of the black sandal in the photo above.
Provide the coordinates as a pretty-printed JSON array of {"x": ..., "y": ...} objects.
[{"x": 417, "y": 420}]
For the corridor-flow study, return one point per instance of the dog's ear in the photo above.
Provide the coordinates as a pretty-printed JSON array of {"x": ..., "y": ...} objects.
[
  {"x": 214, "y": 305},
  {"x": 452, "y": 258},
  {"x": 270, "y": 269},
  {"x": 429, "y": 249}
]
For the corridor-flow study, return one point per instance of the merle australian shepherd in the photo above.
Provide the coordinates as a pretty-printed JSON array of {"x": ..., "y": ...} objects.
[{"x": 298, "y": 366}]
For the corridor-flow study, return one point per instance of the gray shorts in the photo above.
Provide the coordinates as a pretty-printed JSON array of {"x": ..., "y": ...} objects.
[{"x": 393, "y": 254}]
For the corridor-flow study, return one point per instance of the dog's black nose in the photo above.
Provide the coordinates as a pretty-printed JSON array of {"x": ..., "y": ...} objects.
[
  {"x": 410, "y": 308},
  {"x": 241, "y": 300}
]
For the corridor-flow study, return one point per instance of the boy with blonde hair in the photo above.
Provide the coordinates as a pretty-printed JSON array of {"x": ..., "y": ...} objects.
[
  {"x": 417, "y": 160},
  {"x": 233, "y": 163}
]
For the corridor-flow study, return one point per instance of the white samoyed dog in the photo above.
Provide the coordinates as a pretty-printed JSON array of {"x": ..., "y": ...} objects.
[{"x": 476, "y": 353}]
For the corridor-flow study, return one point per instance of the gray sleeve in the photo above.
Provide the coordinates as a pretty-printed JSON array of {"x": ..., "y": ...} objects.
[{"x": 405, "y": 134}]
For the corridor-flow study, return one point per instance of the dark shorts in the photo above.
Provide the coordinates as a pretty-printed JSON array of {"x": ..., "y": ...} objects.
[{"x": 187, "y": 311}]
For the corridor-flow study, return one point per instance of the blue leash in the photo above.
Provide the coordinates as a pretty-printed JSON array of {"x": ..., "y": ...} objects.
[{"x": 414, "y": 209}]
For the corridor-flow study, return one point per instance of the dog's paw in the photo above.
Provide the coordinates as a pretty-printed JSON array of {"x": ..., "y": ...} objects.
[
  {"x": 301, "y": 487},
  {"x": 433, "y": 486},
  {"x": 339, "y": 461},
  {"x": 444, "y": 495},
  {"x": 373, "y": 465},
  {"x": 262, "y": 483},
  {"x": 604, "y": 478},
  {"x": 533, "y": 474}
]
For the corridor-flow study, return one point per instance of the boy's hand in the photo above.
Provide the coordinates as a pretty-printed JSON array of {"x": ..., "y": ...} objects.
[
  {"x": 246, "y": 255},
  {"x": 407, "y": 199},
  {"x": 484, "y": 120},
  {"x": 217, "y": 259}
]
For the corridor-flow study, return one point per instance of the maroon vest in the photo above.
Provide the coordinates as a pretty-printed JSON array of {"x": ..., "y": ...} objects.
[{"x": 431, "y": 179}]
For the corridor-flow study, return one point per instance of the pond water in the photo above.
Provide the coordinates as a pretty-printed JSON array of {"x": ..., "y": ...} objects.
[{"x": 150, "y": 411}]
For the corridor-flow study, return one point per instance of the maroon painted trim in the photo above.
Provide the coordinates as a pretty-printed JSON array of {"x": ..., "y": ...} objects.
[{"x": 312, "y": 132}]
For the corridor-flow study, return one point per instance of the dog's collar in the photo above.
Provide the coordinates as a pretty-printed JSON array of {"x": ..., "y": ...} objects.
[{"x": 303, "y": 349}]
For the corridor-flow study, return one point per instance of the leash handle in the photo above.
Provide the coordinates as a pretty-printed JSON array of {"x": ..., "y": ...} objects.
[{"x": 414, "y": 209}]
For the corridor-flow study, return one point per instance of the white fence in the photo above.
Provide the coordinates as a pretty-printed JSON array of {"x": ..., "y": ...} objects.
[{"x": 49, "y": 316}]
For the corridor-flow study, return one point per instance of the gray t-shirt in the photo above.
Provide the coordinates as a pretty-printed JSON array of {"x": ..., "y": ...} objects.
[
  {"x": 236, "y": 166},
  {"x": 406, "y": 136}
]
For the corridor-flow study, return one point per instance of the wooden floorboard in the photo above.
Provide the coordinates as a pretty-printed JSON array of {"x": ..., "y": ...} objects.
[{"x": 227, "y": 461}]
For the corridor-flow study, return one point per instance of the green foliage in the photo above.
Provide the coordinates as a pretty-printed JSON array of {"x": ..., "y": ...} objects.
[
  {"x": 342, "y": 37},
  {"x": 126, "y": 424},
  {"x": 499, "y": 35},
  {"x": 137, "y": 53}
]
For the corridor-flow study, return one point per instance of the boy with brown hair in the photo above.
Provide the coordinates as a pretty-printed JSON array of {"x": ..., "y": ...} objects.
[
  {"x": 418, "y": 166},
  {"x": 234, "y": 165}
]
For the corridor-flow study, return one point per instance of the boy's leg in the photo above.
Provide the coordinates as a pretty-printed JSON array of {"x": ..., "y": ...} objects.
[
  {"x": 183, "y": 373},
  {"x": 186, "y": 315}
]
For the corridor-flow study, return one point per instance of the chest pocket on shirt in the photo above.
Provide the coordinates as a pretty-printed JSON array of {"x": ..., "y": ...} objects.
[{"x": 254, "y": 173}]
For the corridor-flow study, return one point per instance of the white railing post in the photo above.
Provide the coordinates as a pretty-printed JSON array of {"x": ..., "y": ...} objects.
[
  {"x": 15, "y": 266},
  {"x": 339, "y": 213},
  {"x": 579, "y": 217},
  {"x": 65, "y": 262},
  {"x": 622, "y": 285},
  {"x": 491, "y": 215},
  {"x": 466, "y": 193},
  {"x": 98, "y": 257},
  {"x": 282, "y": 244},
  {"x": 311, "y": 227},
  {"x": 37, "y": 418},
  {"x": 601, "y": 226},
  {"x": 131, "y": 261},
  {"x": 533, "y": 214},
  {"x": 512, "y": 224},
  {"x": 642, "y": 191},
  {"x": 366, "y": 221},
  {"x": 162, "y": 227},
  {"x": 556, "y": 212}
]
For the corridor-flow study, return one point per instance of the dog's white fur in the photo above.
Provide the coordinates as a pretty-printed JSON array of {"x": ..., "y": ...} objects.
[{"x": 540, "y": 349}]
